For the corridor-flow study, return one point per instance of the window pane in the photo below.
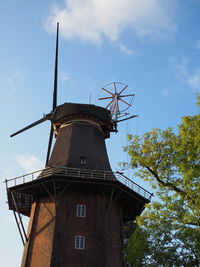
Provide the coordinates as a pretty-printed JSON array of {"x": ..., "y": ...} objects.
[
  {"x": 81, "y": 210},
  {"x": 79, "y": 242}
]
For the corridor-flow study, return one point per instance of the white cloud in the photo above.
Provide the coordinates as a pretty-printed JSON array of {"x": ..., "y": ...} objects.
[
  {"x": 94, "y": 20},
  {"x": 127, "y": 50},
  {"x": 186, "y": 78},
  {"x": 29, "y": 163},
  {"x": 194, "y": 79},
  {"x": 65, "y": 76},
  {"x": 197, "y": 45},
  {"x": 180, "y": 69},
  {"x": 167, "y": 92},
  {"x": 14, "y": 80}
]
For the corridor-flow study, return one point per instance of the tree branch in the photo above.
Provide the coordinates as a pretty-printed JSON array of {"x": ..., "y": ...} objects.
[{"x": 166, "y": 184}]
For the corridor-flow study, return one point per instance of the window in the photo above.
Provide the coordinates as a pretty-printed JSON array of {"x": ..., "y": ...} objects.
[
  {"x": 79, "y": 242},
  {"x": 81, "y": 210},
  {"x": 83, "y": 160}
]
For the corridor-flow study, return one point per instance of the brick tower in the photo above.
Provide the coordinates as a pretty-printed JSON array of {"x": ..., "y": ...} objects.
[{"x": 77, "y": 205}]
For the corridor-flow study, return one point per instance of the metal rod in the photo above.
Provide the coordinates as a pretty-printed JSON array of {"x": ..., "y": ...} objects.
[
  {"x": 20, "y": 219},
  {"x": 127, "y": 118},
  {"x": 19, "y": 228}
]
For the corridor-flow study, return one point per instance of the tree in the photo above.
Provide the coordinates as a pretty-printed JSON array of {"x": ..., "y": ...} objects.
[
  {"x": 138, "y": 248},
  {"x": 171, "y": 227}
]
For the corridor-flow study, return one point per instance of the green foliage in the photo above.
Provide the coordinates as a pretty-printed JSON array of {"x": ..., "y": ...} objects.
[
  {"x": 198, "y": 99},
  {"x": 170, "y": 243},
  {"x": 171, "y": 163},
  {"x": 137, "y": 248},
  {"x": 168, "y": 232}
]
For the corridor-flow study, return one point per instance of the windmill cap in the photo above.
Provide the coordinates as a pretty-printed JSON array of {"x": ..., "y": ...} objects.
[{"x": 73, "y": 111}]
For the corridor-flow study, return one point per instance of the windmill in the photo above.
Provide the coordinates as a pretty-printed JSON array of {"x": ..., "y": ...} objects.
[{"x": 77, "y": 205}]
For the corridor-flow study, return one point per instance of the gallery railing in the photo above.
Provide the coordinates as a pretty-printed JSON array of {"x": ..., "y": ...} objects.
[{"x": 79, "y": 174}]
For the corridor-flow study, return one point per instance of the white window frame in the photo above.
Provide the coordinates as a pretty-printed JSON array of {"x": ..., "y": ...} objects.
[
  {"x": 79, "y": 242},
  {"x": 80, "y": 210},
  {"x": 83, "y": 160}
]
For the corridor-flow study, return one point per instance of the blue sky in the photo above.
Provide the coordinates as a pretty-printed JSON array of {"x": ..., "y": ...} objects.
[{"x": 153, "y": 46}]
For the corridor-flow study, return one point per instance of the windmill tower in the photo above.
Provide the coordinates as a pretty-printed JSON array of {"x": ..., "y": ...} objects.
[{"x": 77, "y": 205}]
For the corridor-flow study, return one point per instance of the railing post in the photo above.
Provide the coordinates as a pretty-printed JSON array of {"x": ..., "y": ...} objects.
[{"x": 6, "y": 181}]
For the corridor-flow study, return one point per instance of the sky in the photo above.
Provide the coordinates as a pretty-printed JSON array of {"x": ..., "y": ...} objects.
[{"x": 153, "y": 46}]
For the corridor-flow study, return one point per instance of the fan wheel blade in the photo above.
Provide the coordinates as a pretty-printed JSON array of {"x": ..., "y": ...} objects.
[
  {"x": 47, "y": 117},
  {"x": 56, "y": 72},
  {"x": 102, "y": 98},
  {"x": 125, "y": 102},
  {"x": 49, "y": 145},
  {"x": 122, "y": 90}
]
